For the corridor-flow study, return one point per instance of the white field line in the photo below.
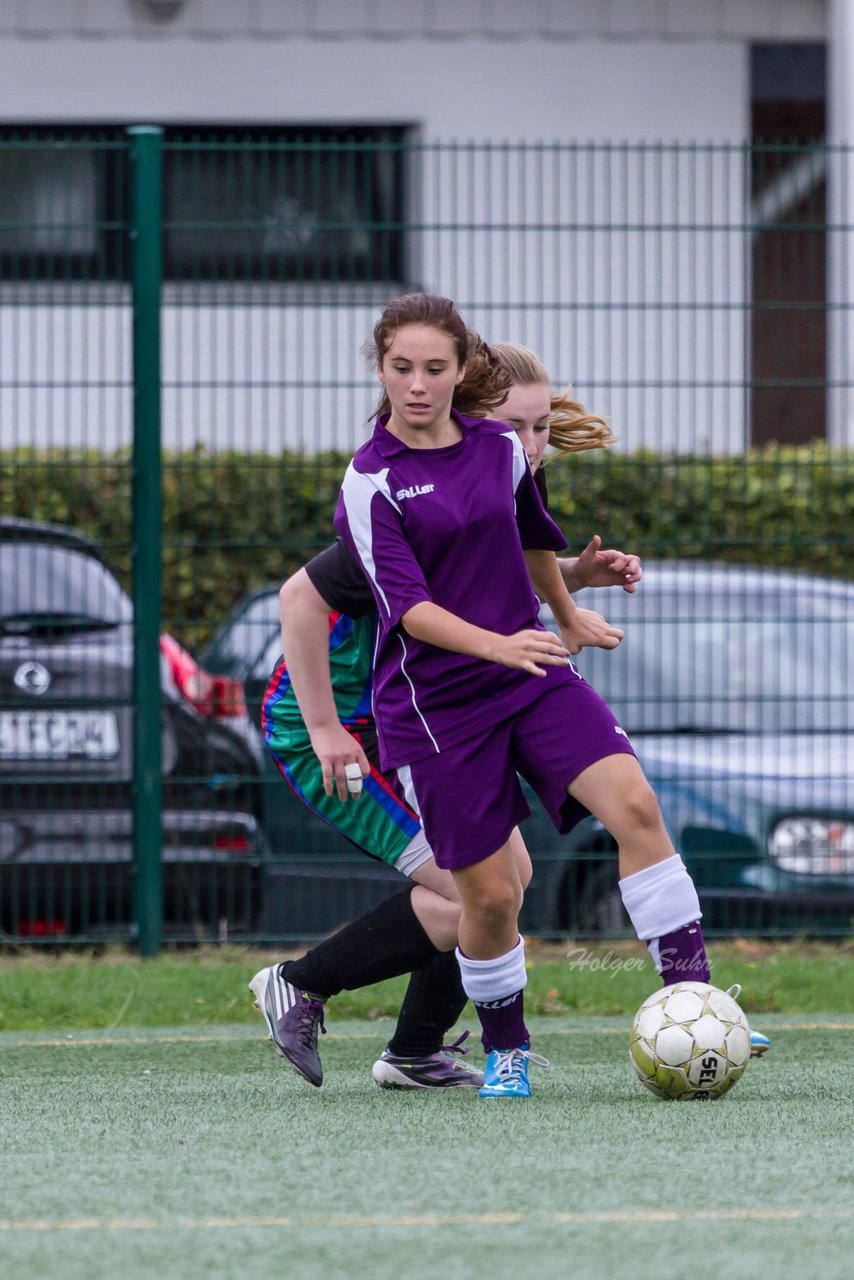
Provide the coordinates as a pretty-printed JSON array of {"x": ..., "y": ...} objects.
[
  {"x": 557, "y": 1218},
  {"x": 73, "y": 1041}
]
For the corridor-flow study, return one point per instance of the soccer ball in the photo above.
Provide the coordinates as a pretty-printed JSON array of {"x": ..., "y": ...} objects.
[{"x": 690, "y": 1040}]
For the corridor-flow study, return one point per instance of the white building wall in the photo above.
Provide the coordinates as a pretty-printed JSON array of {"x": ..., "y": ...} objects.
[
  {"x": 423, "y": 19},
  {"x": 648, "y": 326}
]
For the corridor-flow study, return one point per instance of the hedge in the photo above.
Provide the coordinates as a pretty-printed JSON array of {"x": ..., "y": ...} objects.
[{"x": 232, "y": 522}]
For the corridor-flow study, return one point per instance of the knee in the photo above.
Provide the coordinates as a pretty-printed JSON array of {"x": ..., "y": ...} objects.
[
  {"x": 640, "y": 807},
  {"x": 438, "y": 916},
  {"x": 495, "y": 904},
  {"x": 447, "y": 923}
]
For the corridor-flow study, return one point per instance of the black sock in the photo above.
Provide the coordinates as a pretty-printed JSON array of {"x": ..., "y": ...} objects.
[
  {"x": 434, "y": 1000},
  {"x": 382, "y": 943}
]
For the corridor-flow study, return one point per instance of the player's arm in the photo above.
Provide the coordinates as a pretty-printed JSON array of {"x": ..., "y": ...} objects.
[
  {"x": 596, "y": 567},
  {"x": 529, "y": 650},
  {"x": 376, "y": 536},
  {"x": 304, "y": 619},
  {"x": 541, "y": 538},
  {"x": 578, "y": 627}
]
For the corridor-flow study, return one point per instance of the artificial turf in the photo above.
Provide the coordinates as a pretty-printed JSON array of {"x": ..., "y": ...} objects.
[{"x": 141, "y": 1153}]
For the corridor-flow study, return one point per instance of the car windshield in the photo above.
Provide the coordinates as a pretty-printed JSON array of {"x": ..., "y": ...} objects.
[
  {"x": 46, "y": 584},
  {"x": 728, "y": 663},
  {"x": 241, "y": 647},
  {"x": 704, "y": 652}
]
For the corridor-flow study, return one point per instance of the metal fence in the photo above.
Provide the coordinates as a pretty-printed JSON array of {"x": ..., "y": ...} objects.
[{"x": 181, "y": 383}]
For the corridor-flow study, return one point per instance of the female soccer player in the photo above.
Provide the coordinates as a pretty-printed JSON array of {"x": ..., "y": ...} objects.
[
  {"x": 318, "y": 734},
  {"x": 405, "y": 931},
  {"x": 469, "y": 689}
]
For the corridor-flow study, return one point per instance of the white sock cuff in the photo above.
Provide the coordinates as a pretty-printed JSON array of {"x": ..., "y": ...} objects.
[
  {"x": 660, "y": 898},
  {"x": 494, "y": 979}
]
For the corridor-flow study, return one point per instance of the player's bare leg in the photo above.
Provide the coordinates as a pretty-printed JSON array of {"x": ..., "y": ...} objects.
[
  {"x": 657, "y": 891},
  {"x": 492, "y": 962}
]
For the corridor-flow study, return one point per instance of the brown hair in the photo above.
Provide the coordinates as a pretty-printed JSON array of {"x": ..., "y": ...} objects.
[
  {"x": 486, "y": 381},
  {"x": 571, "y": 427}
]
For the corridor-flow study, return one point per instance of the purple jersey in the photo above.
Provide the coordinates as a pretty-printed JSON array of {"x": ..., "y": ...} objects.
[{"x": 448, "y": 526}]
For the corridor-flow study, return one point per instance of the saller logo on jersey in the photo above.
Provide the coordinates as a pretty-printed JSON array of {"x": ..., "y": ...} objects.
[{"x": 414, "y": 491}]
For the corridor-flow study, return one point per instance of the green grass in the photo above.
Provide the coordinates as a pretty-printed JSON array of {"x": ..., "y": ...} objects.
[
  {"x": 150, "y": 1130},
  {"x": 208, "y": 987},
  {"x": 195, "y": 1152}
]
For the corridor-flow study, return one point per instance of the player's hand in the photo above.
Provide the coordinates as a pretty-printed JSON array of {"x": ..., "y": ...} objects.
[
  {"x": 589, "y": 630},
  {"x": 338, "y": 751},
  {"x": 598, "y": 568},
  {"x": 531, "y": 651}
]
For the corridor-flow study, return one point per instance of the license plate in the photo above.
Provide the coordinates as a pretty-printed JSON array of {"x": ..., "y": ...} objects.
[{"x": 58, "y": 735}]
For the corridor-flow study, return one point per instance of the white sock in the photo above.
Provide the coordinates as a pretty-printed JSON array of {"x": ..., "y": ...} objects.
[
  {"x": 494, "y": 979},
  {"x": 660, "y": 898}
]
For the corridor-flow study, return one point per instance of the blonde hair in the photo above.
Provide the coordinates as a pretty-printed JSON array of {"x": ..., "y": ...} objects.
[{"x": 571, "y": 427}]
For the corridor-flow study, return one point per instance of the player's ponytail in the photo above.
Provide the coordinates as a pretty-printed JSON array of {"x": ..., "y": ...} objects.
[
  {"x": 571, "y": 427},
  {"x": 486, "y": 381}
]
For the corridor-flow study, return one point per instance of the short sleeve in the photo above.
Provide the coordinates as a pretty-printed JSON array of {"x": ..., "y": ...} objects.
[
  {"x": 542, "y": 486},
  {"x": 369, "y": 521},
  {"x": 337, "y": 576},
  {"x": 537, "y": 530}
]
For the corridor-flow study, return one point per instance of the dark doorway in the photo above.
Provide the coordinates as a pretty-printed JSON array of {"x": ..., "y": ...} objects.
[{"x": 788, "y": 213}]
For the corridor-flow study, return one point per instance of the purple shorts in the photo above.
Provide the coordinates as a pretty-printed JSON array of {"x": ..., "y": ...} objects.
[{"x": 469, "y": 798}]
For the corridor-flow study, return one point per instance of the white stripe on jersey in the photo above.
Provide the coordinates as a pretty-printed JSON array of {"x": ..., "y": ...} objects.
[
  {"x": 414, "y": 699},
  {"x": 358, "y": 490},
  {"x": 520, "y": 458}
]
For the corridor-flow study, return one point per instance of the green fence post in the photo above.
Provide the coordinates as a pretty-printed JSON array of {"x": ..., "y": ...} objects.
[{"x": 146, "y": 271}]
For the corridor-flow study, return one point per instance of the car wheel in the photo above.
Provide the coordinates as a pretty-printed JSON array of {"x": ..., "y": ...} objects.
[{"x": 592, "y": 901}]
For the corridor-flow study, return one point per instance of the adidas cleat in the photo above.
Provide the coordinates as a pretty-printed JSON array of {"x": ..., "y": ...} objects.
[
  {"x": 293, "y": 1018},
  {"x": 506, "y": 1072},
  {"x": 439, "y": 1070}
]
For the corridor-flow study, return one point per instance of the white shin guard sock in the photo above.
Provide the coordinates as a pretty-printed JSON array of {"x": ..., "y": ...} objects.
[
  {"x": 660, "y": 899},
  {"x": 486, "y": 980}
]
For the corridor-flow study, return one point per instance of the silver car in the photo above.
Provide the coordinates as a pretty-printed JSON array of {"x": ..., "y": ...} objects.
[{"x": 736, "y": 687}]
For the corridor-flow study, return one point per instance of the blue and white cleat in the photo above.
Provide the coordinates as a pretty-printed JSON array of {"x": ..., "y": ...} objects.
[
  {"x": 505, "y": 1074},
  {"x": 759, "y": 1044}
]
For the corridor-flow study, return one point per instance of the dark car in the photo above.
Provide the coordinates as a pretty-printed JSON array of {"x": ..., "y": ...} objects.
[
  {"x": 66, "y": 757},
  {"x": 736, "y": 687}
]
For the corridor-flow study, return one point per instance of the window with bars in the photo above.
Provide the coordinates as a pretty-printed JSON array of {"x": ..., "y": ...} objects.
[{"x": 308, "y": 205}]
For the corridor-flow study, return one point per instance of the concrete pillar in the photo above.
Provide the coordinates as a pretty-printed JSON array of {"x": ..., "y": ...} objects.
[{"x": 840, "y": 208}]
